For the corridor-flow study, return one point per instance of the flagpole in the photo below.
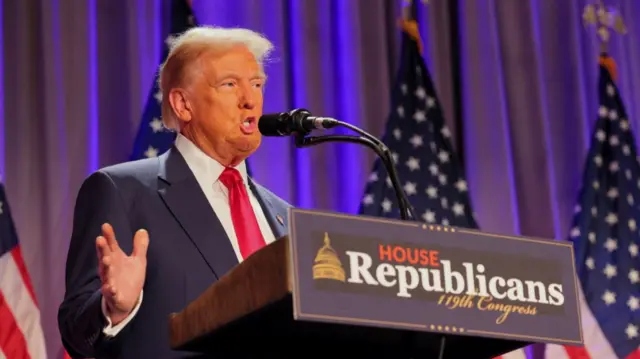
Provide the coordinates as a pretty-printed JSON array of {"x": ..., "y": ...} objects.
[
  {"x": 603, "y": 229},
  {"x": 409, "y": 25}
]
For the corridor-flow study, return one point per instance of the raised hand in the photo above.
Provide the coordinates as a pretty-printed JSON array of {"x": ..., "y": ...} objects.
[{"x": 122, "y": 275}]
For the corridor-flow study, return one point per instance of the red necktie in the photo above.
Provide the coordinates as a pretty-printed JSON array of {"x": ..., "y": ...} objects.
[{"x": 244, "y": 219}]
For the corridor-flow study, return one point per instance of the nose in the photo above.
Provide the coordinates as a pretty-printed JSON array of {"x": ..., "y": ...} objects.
[{"x": 247, "y": 99}]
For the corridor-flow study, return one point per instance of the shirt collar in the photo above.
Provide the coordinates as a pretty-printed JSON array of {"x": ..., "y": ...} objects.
[{"x": 204, "y": 167}]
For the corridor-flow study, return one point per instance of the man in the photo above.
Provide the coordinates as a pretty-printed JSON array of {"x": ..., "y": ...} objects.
[{"x": 150, "y": 236}]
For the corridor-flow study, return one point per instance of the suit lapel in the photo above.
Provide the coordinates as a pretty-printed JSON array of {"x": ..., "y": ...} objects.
[
  {"x": 183, "y": 196},
  {"x": 276, "y": 216}
]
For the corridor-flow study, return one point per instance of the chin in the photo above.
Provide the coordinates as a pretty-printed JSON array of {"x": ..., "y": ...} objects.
[{"x": 249, "y": 144}]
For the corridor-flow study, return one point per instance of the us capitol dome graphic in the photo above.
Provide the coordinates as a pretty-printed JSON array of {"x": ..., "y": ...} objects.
[{"x": 327, "y": 264}]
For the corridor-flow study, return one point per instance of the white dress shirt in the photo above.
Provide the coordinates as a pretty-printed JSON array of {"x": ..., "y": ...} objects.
[{"x": 206, "y": 171}]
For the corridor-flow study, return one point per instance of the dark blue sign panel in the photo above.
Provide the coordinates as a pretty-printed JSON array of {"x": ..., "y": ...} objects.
[{"x": 408, "y": 275}]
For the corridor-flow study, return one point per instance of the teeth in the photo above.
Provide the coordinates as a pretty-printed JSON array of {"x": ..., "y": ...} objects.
[{"x": 246, "y": 123}]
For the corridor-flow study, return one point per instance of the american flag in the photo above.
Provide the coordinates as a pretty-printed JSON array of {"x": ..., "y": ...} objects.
[
  {"x": 21, "y": 335},
  {"x": 153, "y": 138},
  {"x": 605, "y": 236},
  {"x": 425, "y": 160},
  {"x": 421, "y": 147}
]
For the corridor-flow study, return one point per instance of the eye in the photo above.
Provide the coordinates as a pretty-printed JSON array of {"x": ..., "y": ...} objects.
[{"x": 258, "y": 84}]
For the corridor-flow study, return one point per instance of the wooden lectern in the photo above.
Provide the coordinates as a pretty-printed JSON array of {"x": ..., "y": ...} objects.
[
  {"x": 253, "y": 304},
  {"x": 249, "y": 313}
]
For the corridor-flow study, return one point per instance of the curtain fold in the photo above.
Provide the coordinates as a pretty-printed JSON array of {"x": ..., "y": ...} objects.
[{"x": 529, "y": 71}]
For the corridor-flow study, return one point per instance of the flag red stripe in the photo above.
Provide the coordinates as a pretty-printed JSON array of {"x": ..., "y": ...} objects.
[
  {"x": 22, "y": 267},
  {"x": 634, "y": 355},
  {"x": 12, "y": 340},
  {"x": 577, "y": 352}
]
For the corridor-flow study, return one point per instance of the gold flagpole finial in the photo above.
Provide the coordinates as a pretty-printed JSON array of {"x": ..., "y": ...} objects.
[
  {"x": 605, "y": 20},
  {"x": 408, "y": 22}
]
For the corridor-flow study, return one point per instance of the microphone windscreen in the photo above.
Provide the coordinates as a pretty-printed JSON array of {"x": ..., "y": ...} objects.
[{"x": 273, "y": 124}]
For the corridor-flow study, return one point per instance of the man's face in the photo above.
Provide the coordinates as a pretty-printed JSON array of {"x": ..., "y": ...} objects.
[{"x": 227, "y": 101}]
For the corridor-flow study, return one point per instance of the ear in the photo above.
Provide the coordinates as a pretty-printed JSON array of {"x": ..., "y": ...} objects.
[{"x": 179, "y": 100}]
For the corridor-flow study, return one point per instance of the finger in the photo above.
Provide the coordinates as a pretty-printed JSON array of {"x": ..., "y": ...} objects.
[
  {"x": 110, "y": 235},
  {"x": 101, "y": 273},
  {"x": 112, "y": 289},
  {"x": 140, "y": 243},
  {"x": 103, "y": 266},
  {"x": 107, "y": 267},
  {"x": 108, "y": 292},
  {"x": 102, "y": 251},
  {"x": 102, "y": 248},
  {"x": 106, "y": 262}
]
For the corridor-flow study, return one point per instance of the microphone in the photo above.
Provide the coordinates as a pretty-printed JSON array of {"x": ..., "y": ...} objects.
[
  {"x": 294, "y": 122},
  {"x": 299, "y": 123}
]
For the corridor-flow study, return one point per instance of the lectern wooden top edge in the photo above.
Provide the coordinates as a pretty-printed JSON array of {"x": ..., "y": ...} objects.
[{"x": 263, "y": 278}]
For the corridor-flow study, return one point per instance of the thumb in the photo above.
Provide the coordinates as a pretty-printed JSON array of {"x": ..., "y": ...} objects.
[{"x": 140, "y": 243}]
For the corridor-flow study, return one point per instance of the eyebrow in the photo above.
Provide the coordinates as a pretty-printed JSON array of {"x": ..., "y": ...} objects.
[{"x": 259, "y": 76}]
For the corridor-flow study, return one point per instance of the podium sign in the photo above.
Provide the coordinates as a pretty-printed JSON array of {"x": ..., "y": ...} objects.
[{"x": 377, "y": 272}]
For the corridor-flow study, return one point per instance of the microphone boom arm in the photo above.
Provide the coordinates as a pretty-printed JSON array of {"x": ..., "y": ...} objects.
[{"x": 406, "y": 210}]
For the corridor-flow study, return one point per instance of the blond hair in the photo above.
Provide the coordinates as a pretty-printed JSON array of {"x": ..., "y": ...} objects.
[{"x": 186, "y": 49}]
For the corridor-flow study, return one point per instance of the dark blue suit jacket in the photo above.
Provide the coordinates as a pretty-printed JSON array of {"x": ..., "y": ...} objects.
[{"x": 188, "y": 251}]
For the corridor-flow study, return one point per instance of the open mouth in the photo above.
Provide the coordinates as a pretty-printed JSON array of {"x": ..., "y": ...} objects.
[{"x": 249, "y": 125}]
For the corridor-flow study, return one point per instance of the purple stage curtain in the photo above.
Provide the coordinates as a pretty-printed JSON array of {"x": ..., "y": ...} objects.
[{"x": 76, "y": 75}]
